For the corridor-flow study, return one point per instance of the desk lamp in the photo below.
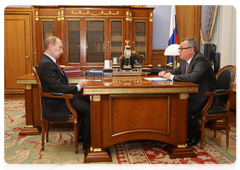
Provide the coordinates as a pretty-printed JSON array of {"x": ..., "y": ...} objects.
[{"x": 172, "y": 50}]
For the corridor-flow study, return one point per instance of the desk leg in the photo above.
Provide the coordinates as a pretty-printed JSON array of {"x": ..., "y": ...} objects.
[
  {"x": 95, "y": 153},
  {"x": 29, "y": 129},
  {"x": 181, "y": 150}
]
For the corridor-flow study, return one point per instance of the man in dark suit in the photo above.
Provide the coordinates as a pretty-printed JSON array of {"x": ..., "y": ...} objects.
[
  {"x": 194, "y": 67},
  {"x": 53, "y": 79}
]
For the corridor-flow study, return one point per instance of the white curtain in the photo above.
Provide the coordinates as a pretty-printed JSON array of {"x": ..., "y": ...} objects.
[{"x": 224, "y": 34}]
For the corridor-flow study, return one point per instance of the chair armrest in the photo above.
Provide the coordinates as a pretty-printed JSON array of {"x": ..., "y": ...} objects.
[
  {"x": 57, "y": 95},
  {"x": 66, "y": 97},
  {"x": 219, "y": 92}
]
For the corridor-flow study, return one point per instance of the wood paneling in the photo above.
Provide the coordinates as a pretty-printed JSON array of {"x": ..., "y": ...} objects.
[
  {"x": 188, "y": 21},
  {"x": 132, "y": 3},
  {"x": 50, "y": 2},
  {"x": 158, "y": 58},
  {"x": 17, "y": 48}
]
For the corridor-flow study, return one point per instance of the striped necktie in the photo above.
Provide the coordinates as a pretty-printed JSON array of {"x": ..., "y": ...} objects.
[{"x": 186, "y": 67}]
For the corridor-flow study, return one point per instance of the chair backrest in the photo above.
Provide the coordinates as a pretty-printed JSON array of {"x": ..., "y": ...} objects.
[
  {"x": 135, "y": 57},
  {"x": 225, "y": 79},
  {"x": 39, "y": 88}
]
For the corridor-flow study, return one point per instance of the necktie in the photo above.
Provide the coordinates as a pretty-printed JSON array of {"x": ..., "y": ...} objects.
[
  {"x": 61, "y": 71},
  {"x": 186, "y": 67},
  {"x": 59, "y": 68}
]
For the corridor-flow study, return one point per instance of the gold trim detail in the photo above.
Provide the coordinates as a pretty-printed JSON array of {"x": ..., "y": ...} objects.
[
  {"x": 95, "y": 149},
  {"x": 184, "y": 96},
  {"x": 75, "y": 120},
  {"x": 141, "y": 90},
  {"x": 26, "y": 81},
  {"x": 62, "y": 15},
  {"x": 36, "y": 17},
  {"x": 96, "y": 98},
  {"x": 28, "y": 126},
  {"x": 28, "y": 86},
  {"x": 182, "y": 145},
  {"x": 89, "y": 13}
]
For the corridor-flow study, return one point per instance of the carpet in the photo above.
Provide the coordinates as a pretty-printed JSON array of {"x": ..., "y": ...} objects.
[{"x": 60, "y": 148}]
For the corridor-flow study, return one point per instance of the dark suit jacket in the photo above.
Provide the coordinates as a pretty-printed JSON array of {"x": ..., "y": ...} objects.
[
  {"x": 53, "y": 81},
  {"x": 199, "y": 71}
]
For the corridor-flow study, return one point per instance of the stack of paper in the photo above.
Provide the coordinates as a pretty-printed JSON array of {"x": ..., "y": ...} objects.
[{"x": 73, "y": 71}]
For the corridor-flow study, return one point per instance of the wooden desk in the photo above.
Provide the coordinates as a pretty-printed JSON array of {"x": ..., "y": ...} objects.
[{"x": 128, "y": 108}]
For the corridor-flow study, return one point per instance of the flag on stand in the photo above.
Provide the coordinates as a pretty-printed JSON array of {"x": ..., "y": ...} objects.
[{"x": 173, "y": 31}]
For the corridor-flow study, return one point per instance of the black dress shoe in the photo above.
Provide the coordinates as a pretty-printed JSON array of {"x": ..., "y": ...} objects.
[{"x": 194, "y": 140}]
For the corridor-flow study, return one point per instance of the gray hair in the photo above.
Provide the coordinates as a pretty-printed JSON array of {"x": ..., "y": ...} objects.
[{"x": 192, "y": 43}]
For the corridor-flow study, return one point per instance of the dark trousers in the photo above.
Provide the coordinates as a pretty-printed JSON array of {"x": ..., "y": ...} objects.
[
  {"x": 192, "y": 125},
  {"x": 82, "y": 106}
]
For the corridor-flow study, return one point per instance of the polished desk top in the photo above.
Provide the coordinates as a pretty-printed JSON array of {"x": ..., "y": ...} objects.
[{"x": 123, "y": 85}]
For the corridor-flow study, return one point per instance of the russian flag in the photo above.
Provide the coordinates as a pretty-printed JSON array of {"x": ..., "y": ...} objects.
[{"x": 173, "y": 31}]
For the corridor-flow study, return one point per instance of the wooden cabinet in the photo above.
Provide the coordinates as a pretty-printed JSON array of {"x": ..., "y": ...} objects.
[{"x": 93, "y": 34}]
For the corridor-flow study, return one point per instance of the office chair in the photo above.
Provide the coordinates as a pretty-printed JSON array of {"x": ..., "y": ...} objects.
[
  {"x": 45, "y": 123},
  {"x": 135, "y": 58},
  {"x": 218, "y": 105}
]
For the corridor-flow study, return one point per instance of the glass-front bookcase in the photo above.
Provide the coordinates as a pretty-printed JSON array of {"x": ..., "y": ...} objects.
[
  {"x": 73, "y": 41},
  {"x": 95, "y": 49},
  {"x": 116, "y": 38},
  {"x": 48, "y": 30},
  {"x": 140, "y": 38}
]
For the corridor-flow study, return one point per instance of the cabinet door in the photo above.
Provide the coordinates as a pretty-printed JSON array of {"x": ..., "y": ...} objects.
[
  {"x": 45, "y": 29},
  {"x": 95, "y": 41},
  {"x": 17, "y": 50},
  {"x": 73, "y": 47},
  {"x": 116, "y": 38},
  {"x": 140, "y": 38}
]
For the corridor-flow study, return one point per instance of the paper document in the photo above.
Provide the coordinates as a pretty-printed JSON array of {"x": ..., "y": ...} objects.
[{"x": 157, "y": 79}]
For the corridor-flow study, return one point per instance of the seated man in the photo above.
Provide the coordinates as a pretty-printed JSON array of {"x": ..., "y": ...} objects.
[
  {"x": 53, "y": 79},
  {"x": 194, "y": 67}
]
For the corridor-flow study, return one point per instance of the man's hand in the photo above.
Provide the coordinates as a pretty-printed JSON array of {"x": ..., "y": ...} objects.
[
  {"x": 82, "y": 82},
  {"x": 165, "y": 75},
  {"x": 168, "y": 76},
  {"x": 162, "y": 73}
]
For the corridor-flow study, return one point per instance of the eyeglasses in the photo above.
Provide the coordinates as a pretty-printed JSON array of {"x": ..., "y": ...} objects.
[{"x": 180, "y": 49}]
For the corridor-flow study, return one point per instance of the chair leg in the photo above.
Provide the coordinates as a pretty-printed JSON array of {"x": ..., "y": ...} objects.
[
  {"x": 43, "y": 135},
  {"x": 202, "y": 133},
  {"x": 227, "y": 130},
  {"x": 76, "y": 137},
  {"x": 215, "y": 128},
  {"x": 47, "y": 130}
]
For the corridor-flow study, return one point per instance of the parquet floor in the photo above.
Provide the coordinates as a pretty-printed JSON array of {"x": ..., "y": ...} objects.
[{"x": 220, "y": 139}]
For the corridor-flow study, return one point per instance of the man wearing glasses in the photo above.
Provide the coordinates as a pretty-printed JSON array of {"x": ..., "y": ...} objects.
[{"x": 194, "y": 67}]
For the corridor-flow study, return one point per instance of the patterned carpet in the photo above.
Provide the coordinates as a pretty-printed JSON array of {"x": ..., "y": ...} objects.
[{"x": 60, "y": 148}]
